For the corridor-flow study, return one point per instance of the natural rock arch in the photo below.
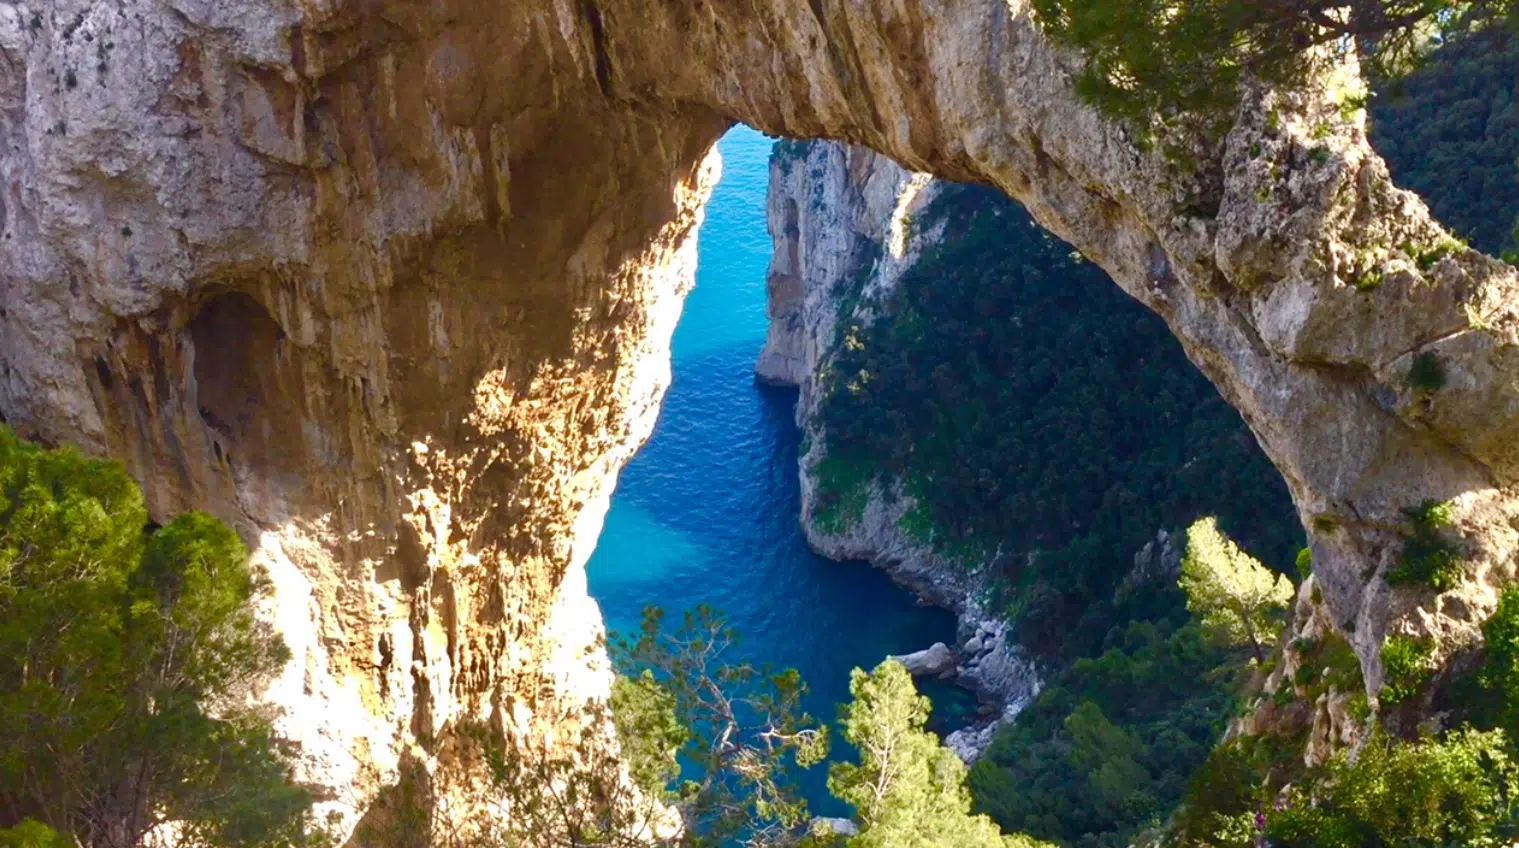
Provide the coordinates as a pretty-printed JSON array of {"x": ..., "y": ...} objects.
[{"x": 470, "y": 224}]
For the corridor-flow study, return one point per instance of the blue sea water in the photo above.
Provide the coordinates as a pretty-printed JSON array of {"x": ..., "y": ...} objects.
[{"x": 707, "y": 512}]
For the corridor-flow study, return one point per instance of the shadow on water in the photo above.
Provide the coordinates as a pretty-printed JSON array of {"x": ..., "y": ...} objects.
[{"x": 707, "y": 512}]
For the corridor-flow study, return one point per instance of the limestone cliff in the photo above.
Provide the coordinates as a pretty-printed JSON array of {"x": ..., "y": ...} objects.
[
  {"x": 389, "y": 285},
  {"x": 846, "y": 223},
  {"x": 295, "y": 268}
]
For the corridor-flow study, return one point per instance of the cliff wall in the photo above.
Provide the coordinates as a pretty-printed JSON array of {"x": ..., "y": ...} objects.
[
  {"x": 389, "y": 285},
  {"x": 846, "y": 223}
]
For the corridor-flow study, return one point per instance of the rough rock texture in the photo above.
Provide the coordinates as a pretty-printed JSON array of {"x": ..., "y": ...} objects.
[
  {"x": 388, "y": 284},
  {"x": 1159, "y": 559},
  {"x": 296, "y": 268},
  {"x": 831, "y": 210},
  {"x": 1309, "y": 706},
  {"x": 846, "y": 224},
  {"x": 937, "y": 660}
]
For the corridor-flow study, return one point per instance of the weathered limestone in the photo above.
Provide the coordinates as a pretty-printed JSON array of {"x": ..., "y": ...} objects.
[
  {"x": 295, "y": 267},
  {"x": 846, "y": 224},
  {"x": 936, "y": 660},
  {"x": 389, "y": 285}
]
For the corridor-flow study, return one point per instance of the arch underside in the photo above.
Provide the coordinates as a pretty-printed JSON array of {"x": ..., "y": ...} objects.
[{"x": 390, "y": 286}]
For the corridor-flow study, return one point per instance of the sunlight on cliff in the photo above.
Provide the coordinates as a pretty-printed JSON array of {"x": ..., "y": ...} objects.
[{"x": 901, "y": 222}]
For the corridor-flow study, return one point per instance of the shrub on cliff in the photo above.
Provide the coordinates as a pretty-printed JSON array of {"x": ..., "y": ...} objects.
[
  {"x": 1110, "y": 745},
  {"x": 1460, "y": 790},
  {"x": 124, "y": 653}
]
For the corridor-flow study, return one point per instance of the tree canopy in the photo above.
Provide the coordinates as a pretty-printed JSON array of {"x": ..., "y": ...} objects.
[
  {"x": 1163, "y": 59},
  {"x": 1028, "y": 405},
  {"x": 1450, "y": 131},
  {"x": 1238, "y": 600},
  {"x": 125, "y": 653},
  {"x": 907, "y": 788}
]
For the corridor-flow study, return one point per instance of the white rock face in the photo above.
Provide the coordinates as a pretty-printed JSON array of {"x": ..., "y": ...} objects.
[
  {"x": 934, "y": 661},
  {"x": 842, "y": 224},
  {"x": 391, "y": 283},
  {"x": 825, "y": 826}
]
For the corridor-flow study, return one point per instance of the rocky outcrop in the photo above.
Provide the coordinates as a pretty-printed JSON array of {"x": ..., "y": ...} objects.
[
  {"x": 294, "y": 267},
  {"x": 934, "y": 661},
  {"x": 390, "y": 284},
  {"x": 846, "y": 224},
  {"x": 1313, "y": 697},
  {"x": 832, "y": 211}
]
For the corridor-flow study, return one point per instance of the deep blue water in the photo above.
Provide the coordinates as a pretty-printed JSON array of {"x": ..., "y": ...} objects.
[{"x": 707, "y": 513}]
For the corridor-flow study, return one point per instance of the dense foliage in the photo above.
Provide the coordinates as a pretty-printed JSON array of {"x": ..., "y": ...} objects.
[
  {"x": 1450, "y": 131},
  {"x": 1161, "y": 59},
  {"x": 1460, "y": 790},
  {"x": 124, "y": 651},
  {"x": 1237, "y": 600},
  {"x": 1031, "y": 406},
  {"x": 1111, "y": 744},
  {"x": 1500, "y": 670}
]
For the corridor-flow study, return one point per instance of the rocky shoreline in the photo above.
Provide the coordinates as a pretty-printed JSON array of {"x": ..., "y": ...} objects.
[{"x": 842, "y": 223}]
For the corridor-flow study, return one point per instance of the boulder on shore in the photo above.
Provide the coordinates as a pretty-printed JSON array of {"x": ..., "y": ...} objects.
[{"x": 936, "y": 661}]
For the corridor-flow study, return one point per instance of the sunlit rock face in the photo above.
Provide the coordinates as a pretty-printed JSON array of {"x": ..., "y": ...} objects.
[
  {"x": 389, "y": 288},
  {"x": 846, "y": 224},
  {"x": 389, "y": 285}
]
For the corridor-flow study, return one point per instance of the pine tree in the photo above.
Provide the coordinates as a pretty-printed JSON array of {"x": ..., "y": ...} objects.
[
  {"x": 1238, "y": 600},
  {"x": 115, "y": 641},
  {"x": 907, "y": 788}
]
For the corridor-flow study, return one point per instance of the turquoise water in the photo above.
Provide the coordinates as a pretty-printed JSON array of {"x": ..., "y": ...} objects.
[{"x": 707, "y": 513}]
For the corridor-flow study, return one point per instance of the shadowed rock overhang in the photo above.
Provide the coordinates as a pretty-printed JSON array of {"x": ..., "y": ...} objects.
[{"x": 390, "y": 285}]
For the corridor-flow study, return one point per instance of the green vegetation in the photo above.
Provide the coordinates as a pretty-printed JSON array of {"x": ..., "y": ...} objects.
[
  {"x": 745, "y": 734},
  {"x": 1500, "y": 669},
  {"x": 843, "y": 484},
  {"x": 1155, "y": 60},
  {"x": 1460, "y": 790},
  {"x": 1426, "y": 374},
  {"x": 1304, "y": 563},
  {"x": 1238, "y": 600},
  {"x": 1110, "y": 746},
  {"x": 650, "y": 730},
  {"x": 1405, "y": 667},
  {"x": 999, "y": 347},
  {"x": 1329, "y": 663},
  {"x": 1029, "y": 405},
  {"x": 1456, "y": 790},
  {"x": 907, "y": 788},
  {"x": 1450, "y": 131},
  {"x": 125, "y": 651},
  {"x": 739, "y": 732},
  {"x": 1428, "y": 558}
]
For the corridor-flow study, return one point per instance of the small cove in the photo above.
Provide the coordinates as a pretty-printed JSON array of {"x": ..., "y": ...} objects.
[{"x": 707, "y": 512}]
